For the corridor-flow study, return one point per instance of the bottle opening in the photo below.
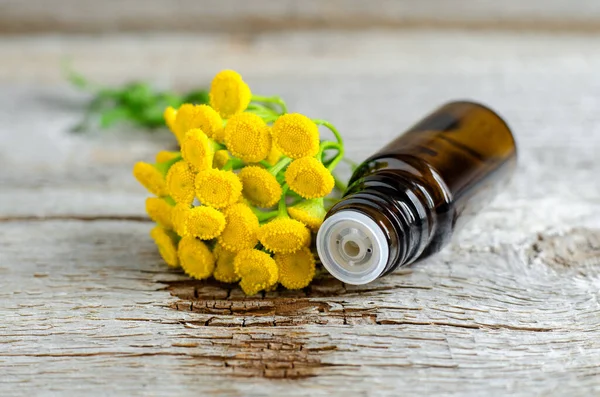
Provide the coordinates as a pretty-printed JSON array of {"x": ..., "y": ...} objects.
[{"x": 352, "y": 247}]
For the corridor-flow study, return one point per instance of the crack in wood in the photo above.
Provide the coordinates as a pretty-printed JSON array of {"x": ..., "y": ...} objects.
[{"x": 70, "y": 217}]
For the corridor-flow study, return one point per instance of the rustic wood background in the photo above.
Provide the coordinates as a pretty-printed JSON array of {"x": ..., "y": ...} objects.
[{"x": 511, "y": 308}]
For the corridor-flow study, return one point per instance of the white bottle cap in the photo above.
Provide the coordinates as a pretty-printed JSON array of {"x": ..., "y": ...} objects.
[{"x": 352, "y": 247}]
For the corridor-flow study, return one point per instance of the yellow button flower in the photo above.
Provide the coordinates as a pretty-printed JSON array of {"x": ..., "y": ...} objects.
[
  {"x": 195, "y": 258},
  {"x": 248, "y": 137},
  {"x": 220, "y": 159},
  {"x": 259, "y": 186},
  {"x": 310, "y": 212},
  {"x": 257, "y": 270},
  {"x": 229, "y": 94},
  {"x": 166, "y": 245},
  {"x": 218, "y": 188},
  {"x": 198, "y": 149},
  {"x": 296, "y": 135},
  {"x": 209, "y": 121},
  {"x": 170, "y": 114},
  {"x": 296, "y": 270},
  {"x": 183, "y": 121},
  {"x": 224, "y": 270},
  {"x": 273, "y": 156},
  {"x": 160, "y": 211},
  {"x": 165, "y": 155},
  {"x": 180, "y": 183},
  {"x": 179, "y": 216},
  {"x": 219, "y": 135},
  {"x": 309, "y": 178},
  {"x": 241, "y": 228},
  {"x": 190, "y": 116},
  {"x": 284, "y": 235},
  {"x": 205, "y": 223},
  {"x": 151, "y": 177}
]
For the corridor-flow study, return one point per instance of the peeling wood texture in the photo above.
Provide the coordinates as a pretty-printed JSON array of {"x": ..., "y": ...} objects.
[{"x": 510, "y": 309}]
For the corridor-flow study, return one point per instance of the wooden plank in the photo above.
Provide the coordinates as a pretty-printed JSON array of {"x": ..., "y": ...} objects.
[
  {"x": 76, "y": 317},
  {"x": 88, "y": 16},
  {"x": 511, "y": 308}
]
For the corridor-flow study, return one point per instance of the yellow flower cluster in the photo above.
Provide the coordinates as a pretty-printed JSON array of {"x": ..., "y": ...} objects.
[{"x": 241, "y": 200}]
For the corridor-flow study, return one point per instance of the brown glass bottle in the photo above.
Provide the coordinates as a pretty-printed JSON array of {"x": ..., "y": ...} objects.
[{"x": 405, "y": 202}]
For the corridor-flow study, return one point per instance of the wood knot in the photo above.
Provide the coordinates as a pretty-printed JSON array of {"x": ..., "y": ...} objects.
[{"x": 576, "y": 251}]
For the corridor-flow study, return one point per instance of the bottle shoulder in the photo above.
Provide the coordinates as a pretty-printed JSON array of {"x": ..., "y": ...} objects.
[{"x": 389, "y": 172}]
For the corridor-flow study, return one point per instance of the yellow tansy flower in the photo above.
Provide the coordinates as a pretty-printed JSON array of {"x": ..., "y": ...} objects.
[
  {"x": 180, "y": 183},
  {"x": 240, "y": 229},
  {"x": 209, "y": 121},
  {"x": 198, "y": 149},
  {"x": 229, "y": 94},
  {"x": 284, "y": 235},
  {"x": 166, "y": 245},
  {"x": 218, "y": 188},
  {"x": 165, "y": 155},
  {"x": 224, "y": 270},
  {"x": 259, "y": 186},
  {"x": 195, "y": 258},
  {"x": 310, "y": 212},
  {"x": 151, "y": 177},
  {"x": 170, "y": 114},
  {"x": 184, "y": 117},
  {"x": 273, "y": 156},
  {"x": 296, "y": 270},
  {"x": 159, "y": 210},
  {"x": 220, "y": 159},
  {"x": 204, "y": 222},
  {"x": 190, "y": 116},
  {"x": 219, "y": 135},
  {"x": 257, "y": 270},
  {"x": 179, "y": 216},
  {"x": 248, "y": 137},
  {"x": 309, "y": 178},
  {"x": 296, "y": 135}
]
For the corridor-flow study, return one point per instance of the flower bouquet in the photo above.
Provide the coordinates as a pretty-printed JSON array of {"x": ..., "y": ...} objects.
[{"x": 243, "y": 197}]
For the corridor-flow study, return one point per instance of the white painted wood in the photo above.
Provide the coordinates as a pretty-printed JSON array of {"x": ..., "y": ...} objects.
[{"x": 512, "y": 308}]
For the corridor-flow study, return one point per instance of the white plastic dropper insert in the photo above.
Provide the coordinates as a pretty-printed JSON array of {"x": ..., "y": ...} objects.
[{"x": 352, "y": 247}]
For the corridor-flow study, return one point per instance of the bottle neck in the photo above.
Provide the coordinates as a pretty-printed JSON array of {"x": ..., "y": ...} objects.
[{"x": 373, "y": 232}]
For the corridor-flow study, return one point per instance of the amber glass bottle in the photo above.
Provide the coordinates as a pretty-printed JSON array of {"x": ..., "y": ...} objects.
[{"x": 405, "y": 202}]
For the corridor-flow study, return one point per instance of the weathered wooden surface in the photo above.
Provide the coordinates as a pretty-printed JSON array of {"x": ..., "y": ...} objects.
[
  {"x": 512, "y": 308},
  {"x": 90, "y": 16}
]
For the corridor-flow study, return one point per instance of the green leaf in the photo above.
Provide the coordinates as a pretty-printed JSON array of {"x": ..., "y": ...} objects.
[
  {"x": 110, "y": 117},
  {"x": 199, "y": 97}
]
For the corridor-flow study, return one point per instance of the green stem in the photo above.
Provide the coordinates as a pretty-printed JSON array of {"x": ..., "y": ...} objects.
[
  {"x": 261, "y": 110},
  {"x": 281, "y": 164},
  {"x": 164, "y": 167},
  {"x": 336, "y": 160},
  {"x": 353, "y": 164},
  {"x": 170, "y": 201},
  {"x": 324, "y": 146},
  {"x": 282, "y": 207},
  {"x": 331, "y": 128},
  {"x": 263, "y": 216},
  {"x": 233, "y": 164},
  {"x": 340, "y": 142},
  {"x": 272, "y": 99},
  {"x": 339, "y": 184},
  {"x": 216, "y": 146}
]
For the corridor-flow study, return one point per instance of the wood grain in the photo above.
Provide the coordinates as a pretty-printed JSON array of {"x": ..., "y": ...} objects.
[
  {"x": 511, "y": 308},
  {"x": 239, "y": 16}
]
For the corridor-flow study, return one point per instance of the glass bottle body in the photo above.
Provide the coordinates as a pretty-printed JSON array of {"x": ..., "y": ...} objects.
[{"x": 418, "y": 190}]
